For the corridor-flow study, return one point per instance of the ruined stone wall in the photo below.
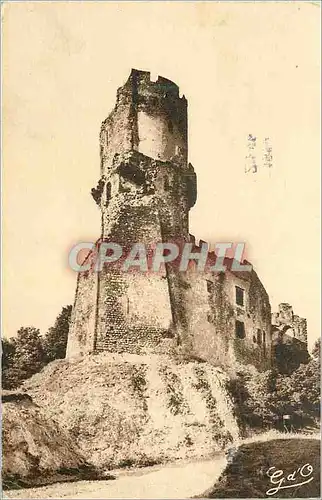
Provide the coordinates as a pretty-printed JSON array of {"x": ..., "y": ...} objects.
[
  {"x": 134, "y": 312},
  {"x": 149, "y": 117},
  {"x": 162, "y": 121},
  {"x": 116, "y": 136},
  {"x": 153, "y": 312},
  {"x": 212, "y": 314},
  {"x": 207, "y": 311},
  {"x": 300, "y": 328},
  {"x": 289, "y": 337},
  {"x": 140, "y": 193},
  {"x": 286, "y": 319},
  {"x": 256, "y": 347},
  {"x": 120, "y": 312},
  {"x": 81, "y": 337}
]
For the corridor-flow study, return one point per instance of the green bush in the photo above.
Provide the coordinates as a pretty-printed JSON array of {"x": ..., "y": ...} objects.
[{"x": 261, "y": 399}]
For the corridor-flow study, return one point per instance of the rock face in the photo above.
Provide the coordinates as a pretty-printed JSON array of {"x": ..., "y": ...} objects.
[
  {"x": 36, "y": 450},
  {"x": 131, "y": 409}
]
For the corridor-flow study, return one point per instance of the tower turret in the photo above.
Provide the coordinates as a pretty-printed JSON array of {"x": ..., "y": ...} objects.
[
  {"x": 150, "y": 118},
  {"x": 146, "y": 187}
]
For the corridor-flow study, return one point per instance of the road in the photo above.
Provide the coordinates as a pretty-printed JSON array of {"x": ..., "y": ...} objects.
[{"x": 173, "y": 481}]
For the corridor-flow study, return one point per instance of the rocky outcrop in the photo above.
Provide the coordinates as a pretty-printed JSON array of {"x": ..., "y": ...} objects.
[
  {"x": 137, "y": 410},
  {"x": 36, "y": 451}
]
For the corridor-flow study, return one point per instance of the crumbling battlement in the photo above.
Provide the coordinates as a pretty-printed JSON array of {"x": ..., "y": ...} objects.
[
  {"x": 162, "y": 88},
  {"x": 149, "y": 117},
  {"x": 285, "y": 320},
  {"x": 289, "y": 339}
]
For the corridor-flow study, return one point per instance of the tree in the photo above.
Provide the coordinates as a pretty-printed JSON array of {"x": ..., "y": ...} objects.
[
  {"x": 262, "y": 398},
  {"x": 10, "y": 378},
  {"x": 55, "y": 340},
  {"x": 22, "y": 357},
  {"x": 299, "y": 393},
  {"x": 289, "y": 356},
  {"x": 254, "y": 398},
  {"x": 29, "y": 353},
  {"x": 8, "y": 352},
  {"x": 316, "y": 352}
]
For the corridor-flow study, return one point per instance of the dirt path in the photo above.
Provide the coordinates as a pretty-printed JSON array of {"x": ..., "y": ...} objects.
[{"x": 173, "y": 481}]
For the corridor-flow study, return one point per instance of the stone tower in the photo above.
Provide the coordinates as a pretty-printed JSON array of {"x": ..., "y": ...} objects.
[
  {"x": 144, "y": 193},
  {"x": 144, "y": 167}
]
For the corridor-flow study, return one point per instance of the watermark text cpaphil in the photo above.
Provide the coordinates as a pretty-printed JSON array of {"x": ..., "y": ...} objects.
[{"x": 86, "y": 256}]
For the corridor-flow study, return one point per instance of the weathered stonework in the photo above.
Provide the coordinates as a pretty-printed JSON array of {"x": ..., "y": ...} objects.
[
  {"x": 145, "y": 192},
  {"x": 289, "y": 339},
  {"x": 212, "y": 317},
  {"x": 286, "y": 320}
]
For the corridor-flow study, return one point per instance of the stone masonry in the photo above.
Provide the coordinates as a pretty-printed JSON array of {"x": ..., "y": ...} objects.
[
  {"x": 145, "y": 192},
  {"x": 289, "y": 339}
]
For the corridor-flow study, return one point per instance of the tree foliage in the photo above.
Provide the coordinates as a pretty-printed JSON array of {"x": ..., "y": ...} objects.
[
  {"x": 28, "y": 352},
  {"x": 55, "y": 340},
  {"x": 299, "y": 394},
  {"x": 261, "y": 399},
  {"x": 22, "y": 356},
  {"x": 8, "y": 366},
  {"x": 290, "y": 356},
  {"x": 316, "y": 352}
]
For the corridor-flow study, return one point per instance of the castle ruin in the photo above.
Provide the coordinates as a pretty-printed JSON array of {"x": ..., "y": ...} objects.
[{"x": 145, "y": 192}]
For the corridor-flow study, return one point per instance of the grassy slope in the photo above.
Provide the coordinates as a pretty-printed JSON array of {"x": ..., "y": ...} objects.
[{"x": 245, "y": 476}]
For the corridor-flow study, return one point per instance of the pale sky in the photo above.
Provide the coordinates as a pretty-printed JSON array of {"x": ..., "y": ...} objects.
[{"x": 245, "y": 68}]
